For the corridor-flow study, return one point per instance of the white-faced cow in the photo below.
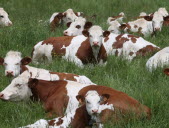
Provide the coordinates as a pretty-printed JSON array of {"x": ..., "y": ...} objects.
[
  {"x": 80, "y": 49},
  {"x": 14, "y": 65},
  {"x": 4, "y": 19},
  {"x": 160, "y": 59},
  {"x": 65, "y": 17},
  {"x": 101, "y": 103},
  {"x": 76, "y": 27}
]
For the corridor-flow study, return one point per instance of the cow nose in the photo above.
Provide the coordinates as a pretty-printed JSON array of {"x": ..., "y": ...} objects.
[
  {"x": 95, "y": 110},
  {"x": 157, "y": 29},
  {"x": 10, "y": 24},
  {"x": 1, "y": 96},
  {"x": 96, "y": 43},
  {"x": 65, "y": 33},
  {"x": 9, "y": 73}
]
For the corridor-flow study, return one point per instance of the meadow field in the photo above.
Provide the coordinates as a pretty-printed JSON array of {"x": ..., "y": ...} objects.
[{"x": 151, "y": 89}]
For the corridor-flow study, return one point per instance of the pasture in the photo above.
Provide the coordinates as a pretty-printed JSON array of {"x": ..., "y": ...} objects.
[{"x": 132, "y": 78}]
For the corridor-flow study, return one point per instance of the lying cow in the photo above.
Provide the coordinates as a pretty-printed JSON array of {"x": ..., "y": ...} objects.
[
  {"x": 15, "y": 65},
  {"x": 83, "y": 49},
  {"x": 55, "y": 95},
  {"x": 65, "y": 17},
  {"x": 118, "y": 18},
  {"x": 76, "y": 27},
  {"x": 113, "y": 104},
  {"x": 127, "y": 46},
  {"x": 160, "y": 59},
  {"x": 4, "y": 19}
]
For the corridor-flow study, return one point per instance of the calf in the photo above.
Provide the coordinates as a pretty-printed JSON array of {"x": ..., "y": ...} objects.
[
  {"x": 127, "y": 46},
  {"x": 80, "y": 49},
  {"x": 160, "y": 59},
  {"x": 112, "y": 104},
  {"x": 55, "y": 95},
  {"x": 76, "y": 27},
  {"x": 4, "y": 19},
  {"x": 65, "y": 17},
  {"x": 15, "y": 65},
  {"x": 118, "y": 18}
]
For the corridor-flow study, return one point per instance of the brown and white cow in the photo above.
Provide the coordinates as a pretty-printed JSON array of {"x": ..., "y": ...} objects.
[
  {"x": 112, "y": 104},
  {"x": 76, "y": 27},
  {"x": 4, "y": 19},
  {"x": 65, "y": 17},
  {"x": 55, "y": 95},
  {"x": 160, "y": 59},
  {"x": 83, "y": 49},
  {"x": 128, "y": 46},
  {"x": 14, "y": 65}
]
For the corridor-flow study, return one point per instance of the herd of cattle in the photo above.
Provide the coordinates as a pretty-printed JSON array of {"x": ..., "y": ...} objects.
[{"x": 75, "y": 99}]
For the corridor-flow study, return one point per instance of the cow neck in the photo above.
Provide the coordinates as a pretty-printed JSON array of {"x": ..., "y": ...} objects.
[{"x": 23, "y": 68}]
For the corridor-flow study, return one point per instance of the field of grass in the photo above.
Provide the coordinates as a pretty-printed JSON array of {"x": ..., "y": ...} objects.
[{"x": 132, "y": 78}]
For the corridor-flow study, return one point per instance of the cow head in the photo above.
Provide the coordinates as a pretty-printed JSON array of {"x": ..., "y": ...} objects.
[
  {"x": 4, "y": 20},
  {"x": 76, "y": 27},
  {"x": 18, "y": 89},
  {"x": 92, "y": 101},
  {"x": 95, "y": 35},
  {"x": 115, "y": 27},
  {"x": 13, "y": 63},
  {"x": 69, "y": 16},
  {"x": 157, "y": 21}
]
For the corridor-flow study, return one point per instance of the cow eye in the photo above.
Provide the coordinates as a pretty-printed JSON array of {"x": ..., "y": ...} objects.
[
  {"x": 78, "y": 26},
  {"x": 90, "y": 35},
  {"x": 18, "y": 85},
  {"x": 68, "y": 18},
  {"x": 101, "y": 35},
  {"x": 17, "y": 64},
  {"x": 5, "y": 64},
  {"x": 1, "y": 16},
  {"x": 88, "y": 102}
]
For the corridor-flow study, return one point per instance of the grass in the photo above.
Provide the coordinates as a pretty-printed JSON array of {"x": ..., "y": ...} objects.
[{"x": 132, "y": 78}]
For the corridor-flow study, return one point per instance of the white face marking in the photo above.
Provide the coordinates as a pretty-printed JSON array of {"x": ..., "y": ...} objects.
[
  {"x": 4, "y": 20},
  {"x": 95, "y": 36},
  {"x": 92, "y": 100},
  {"x": 70, "y": 16},
  {"x": 18, "y": 89},
  {"x": 157, "y": 21},
  {"x": 76, "y": 27},
  {"x": 12, "y": 63}
]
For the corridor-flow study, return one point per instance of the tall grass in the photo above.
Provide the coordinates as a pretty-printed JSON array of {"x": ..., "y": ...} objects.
[{"x": 132, "y": 78}]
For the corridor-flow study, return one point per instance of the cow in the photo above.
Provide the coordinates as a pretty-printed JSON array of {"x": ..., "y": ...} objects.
[
  {"x": 118, "y": 18},
  {"x": 65, "y": 17},
  {"x": 4, "y": 19},
  {"x": 112, "y": 104},
  {"x": 160, "y": 59},
  {"x": 128, "y": 46},
  {"x": 115, "y": 27},
  {"x": 14, "y": 65},
  {"x": 76, "y": 27},
  {"x": 82, "y": 49},
  {"x": 55, "y": 95}
]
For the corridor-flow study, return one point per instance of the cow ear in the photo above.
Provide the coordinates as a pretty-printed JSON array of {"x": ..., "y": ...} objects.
[
  {"x": 80, "y": 98},
  {"x": 148, "y": 18},
  {"x": 106, "y": 33},
  {"x": 166, "y": 71},
  {"x": 68, "y": 24},
  {"x": 105, "y": 97},
  {"x": 1, "y": 61},
  {"x": 85, "y": 33},
  {"x": 88, "y": 25},
  {"x": 166, "y": 18},
  {"x": 26, "y": 60},
  {"x": 32, "y": 82},
  {"x": 123, "y": 26},
  {"x": 60, "y": 16}
]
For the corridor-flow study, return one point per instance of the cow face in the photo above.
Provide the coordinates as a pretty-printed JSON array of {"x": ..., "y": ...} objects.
[
  {"x": 69, "y": 16},
  {"x": 18, "y": 89},
  {"x": 4, "y": 20},
  {"x": 157, "y": 21},
  {"x": 13, "y": 63},
  {"x": 92, "y": 101},
  {"x": 76, "y": 27},
  {"x": 115, "y": 27}
]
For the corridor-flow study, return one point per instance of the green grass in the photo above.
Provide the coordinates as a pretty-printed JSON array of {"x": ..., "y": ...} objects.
[{"x": 132, "y": 78}]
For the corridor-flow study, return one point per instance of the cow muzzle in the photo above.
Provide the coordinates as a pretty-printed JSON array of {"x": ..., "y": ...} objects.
[
  {"x": 95, "y": 111},
  {"x": 9, "y": 73},
  {"x": 1, "y": 96},
  {"x": 96, "y": 44}
]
